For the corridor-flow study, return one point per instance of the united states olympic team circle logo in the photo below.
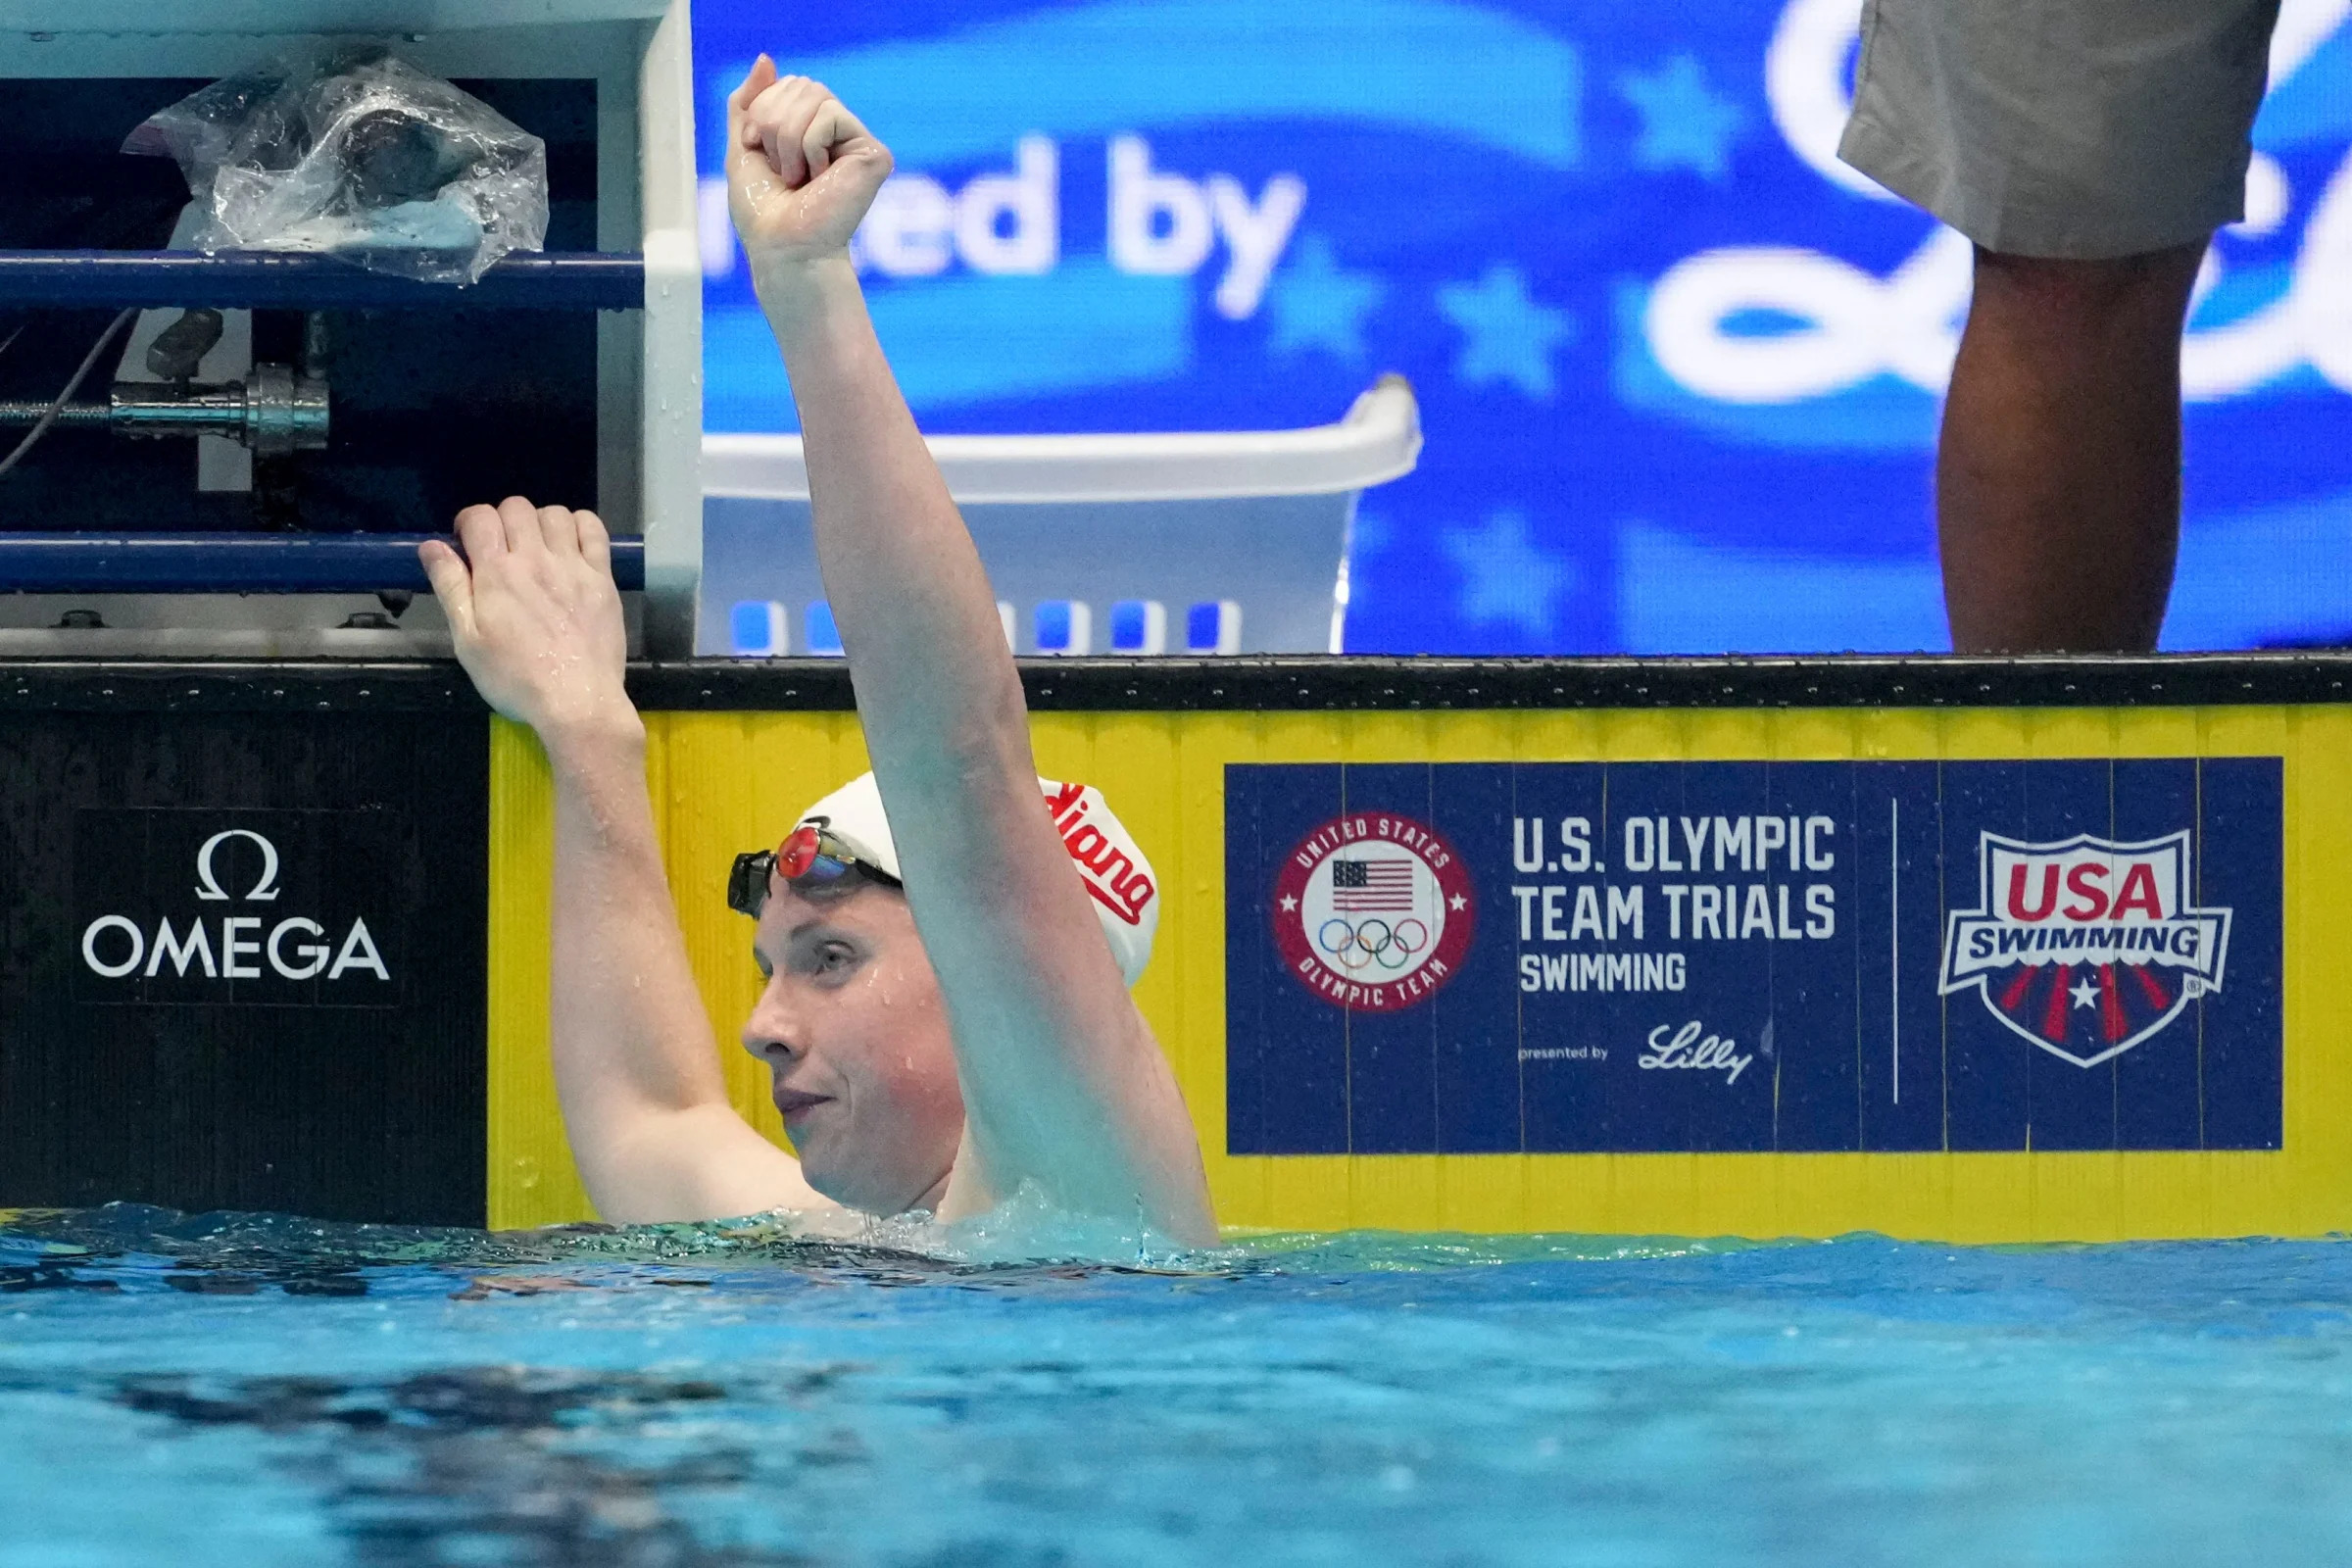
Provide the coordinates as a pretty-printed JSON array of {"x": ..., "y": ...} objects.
[{"x": 1373, "y": 912}]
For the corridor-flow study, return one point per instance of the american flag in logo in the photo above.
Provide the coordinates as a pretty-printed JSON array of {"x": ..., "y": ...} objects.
[{"x": 1372, "y": 887}]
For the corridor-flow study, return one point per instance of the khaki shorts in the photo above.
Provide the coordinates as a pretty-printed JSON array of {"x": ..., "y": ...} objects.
[{"x": 2063, "y": 128}]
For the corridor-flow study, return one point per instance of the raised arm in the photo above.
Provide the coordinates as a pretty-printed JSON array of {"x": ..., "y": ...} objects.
[
  {"x": 1062, "y": 1083},
  {"x": 537, "y": 624}
]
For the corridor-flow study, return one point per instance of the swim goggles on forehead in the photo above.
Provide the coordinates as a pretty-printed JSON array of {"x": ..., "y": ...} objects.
[{"x": 811, "y": 856}]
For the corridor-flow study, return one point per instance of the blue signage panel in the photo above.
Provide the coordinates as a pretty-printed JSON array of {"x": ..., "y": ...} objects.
[
  {"x": 1570, "y": 957},
  {"x": 1679, "y": 368}
]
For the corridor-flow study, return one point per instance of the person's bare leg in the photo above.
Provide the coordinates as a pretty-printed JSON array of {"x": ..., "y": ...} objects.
[{"x": 2058, "y": 476}]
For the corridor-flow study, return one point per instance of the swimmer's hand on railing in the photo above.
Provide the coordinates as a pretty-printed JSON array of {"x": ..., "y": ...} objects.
[
  {"x": 801, "y": 173},
  {"x": 535, "y": 618}
]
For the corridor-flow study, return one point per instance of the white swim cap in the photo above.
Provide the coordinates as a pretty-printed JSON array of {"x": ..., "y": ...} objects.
[{"x": 1109, "y": 861}]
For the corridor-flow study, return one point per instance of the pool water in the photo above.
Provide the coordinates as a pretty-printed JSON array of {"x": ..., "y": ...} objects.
[{"x": 243, "y": 1390}]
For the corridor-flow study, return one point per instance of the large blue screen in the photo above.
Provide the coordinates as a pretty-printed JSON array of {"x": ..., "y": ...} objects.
[{"x": 1678, "y": 367}]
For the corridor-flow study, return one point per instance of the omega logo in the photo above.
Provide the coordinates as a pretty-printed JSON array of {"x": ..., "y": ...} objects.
[
  {"x": 116, "y": 947},
  {"x": 207, "y": 887}
]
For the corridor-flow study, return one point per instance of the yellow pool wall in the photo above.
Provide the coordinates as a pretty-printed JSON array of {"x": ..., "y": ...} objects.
[{"x": 724, "y": 782}]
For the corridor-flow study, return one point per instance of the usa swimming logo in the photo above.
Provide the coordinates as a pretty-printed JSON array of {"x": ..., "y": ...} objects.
[
  {"x": 2086, "y": 946},
  {"x": 1373, "y": 912}
]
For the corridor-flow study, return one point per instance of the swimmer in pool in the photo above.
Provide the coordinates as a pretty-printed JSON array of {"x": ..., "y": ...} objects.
[{"x": 943, "y": 1018}]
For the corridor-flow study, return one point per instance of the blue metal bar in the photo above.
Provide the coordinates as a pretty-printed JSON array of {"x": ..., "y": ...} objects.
[
  {"x": 543, "y": 281},
  {"x": 233, "y": 562}
]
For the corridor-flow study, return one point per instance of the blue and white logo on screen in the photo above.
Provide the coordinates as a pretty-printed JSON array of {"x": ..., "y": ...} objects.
[
  {"x": 2086, "y": 946},
  {"x": 1831, "y": 326}
]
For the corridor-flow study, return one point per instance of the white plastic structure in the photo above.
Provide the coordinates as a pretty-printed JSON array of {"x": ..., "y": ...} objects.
[
  {"x": 649, "y": 361},
  {"x": 1195, "y": 542}
]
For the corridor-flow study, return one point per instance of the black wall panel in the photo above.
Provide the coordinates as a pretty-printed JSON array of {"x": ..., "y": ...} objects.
[{"x": 230, "y": 1041}]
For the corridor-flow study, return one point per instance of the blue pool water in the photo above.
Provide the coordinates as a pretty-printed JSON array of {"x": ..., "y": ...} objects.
[{"x": 250, "y": 1391}]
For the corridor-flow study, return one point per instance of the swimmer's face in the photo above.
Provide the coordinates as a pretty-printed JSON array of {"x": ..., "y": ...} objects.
[{"x": 852, "y": 1026}]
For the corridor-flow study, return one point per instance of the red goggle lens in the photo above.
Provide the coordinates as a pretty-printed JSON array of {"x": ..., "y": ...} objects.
[{"x": 798, "y": 852}]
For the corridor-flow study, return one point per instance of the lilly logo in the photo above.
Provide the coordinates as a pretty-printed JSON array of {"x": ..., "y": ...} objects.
[
  {"x": 2086, "y": 946},
  {"x": 1844, "y": 326},
  {"x": 116, "y": 947}
]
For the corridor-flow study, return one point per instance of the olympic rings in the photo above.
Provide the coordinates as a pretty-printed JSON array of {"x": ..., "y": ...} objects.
[{"x": 1372, "y": 941}]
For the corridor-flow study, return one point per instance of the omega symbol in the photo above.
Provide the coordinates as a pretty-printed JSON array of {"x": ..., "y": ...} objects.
[{"x": 207, "y": 886}]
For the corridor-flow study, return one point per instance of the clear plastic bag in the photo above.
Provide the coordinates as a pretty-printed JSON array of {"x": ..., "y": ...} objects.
[{"x": 347, "y": 150}]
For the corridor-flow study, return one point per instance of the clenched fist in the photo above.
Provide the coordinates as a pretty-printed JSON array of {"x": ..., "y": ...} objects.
[{"x": 801, "y": 171}]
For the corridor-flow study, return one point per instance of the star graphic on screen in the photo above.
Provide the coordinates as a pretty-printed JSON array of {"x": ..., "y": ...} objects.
[
  {"x": 1507, "y": 335},
  {"x": 1289, "y": 905},
  {"x": 1458, "y": 903},
  {"x": 2086, "y": 995},
  {"x": 1316, "y": 303},
  {"x": 1506, "y": 577},
  {"x": 1684, "y": 120}
]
